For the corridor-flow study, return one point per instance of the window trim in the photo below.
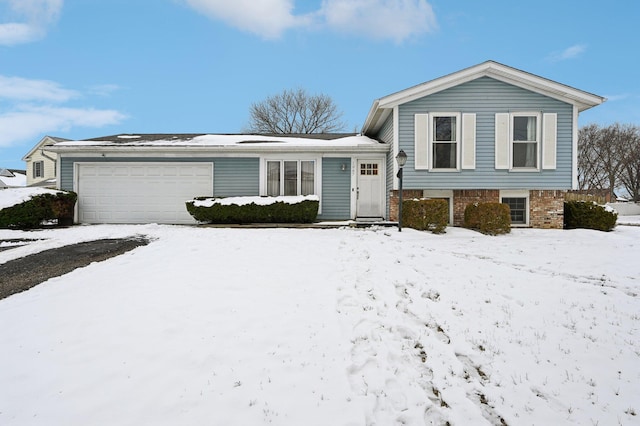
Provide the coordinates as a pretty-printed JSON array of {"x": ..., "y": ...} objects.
[
  {"x": 38, "y": 172},
  {"x": 431, "y": 142},
  {"x": 292, "y": 157},
  {"x": 512, "y": 142},
  {"x": 510, "y": 193}
]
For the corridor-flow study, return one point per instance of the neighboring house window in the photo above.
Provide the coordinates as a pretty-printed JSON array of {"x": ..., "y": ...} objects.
[
  {"x": 518, "y": 202},
  {"x": 525, "y": 141},
  {"x": 444, "y": 143},
  {"x": 38, "y": 169},
  {"x": 290, "y": 177}
]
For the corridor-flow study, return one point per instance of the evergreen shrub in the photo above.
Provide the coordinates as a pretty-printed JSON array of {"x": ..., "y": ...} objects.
[
  {"x": 488, "y": 218},
  {"x": 588, "y": 215},
  {"x": 426, "y": 215},
  {"x": 304, "y": 211},
  {"x": 40, "y": 210}
]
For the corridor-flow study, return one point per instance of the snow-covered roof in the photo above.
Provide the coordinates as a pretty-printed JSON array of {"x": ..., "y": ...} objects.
[
  {"x": 12, "y": 178},
  {"x": 228, "y": 142}
]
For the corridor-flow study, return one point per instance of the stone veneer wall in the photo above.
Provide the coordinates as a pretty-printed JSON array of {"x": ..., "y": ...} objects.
[{"x": 546, "y": 207}]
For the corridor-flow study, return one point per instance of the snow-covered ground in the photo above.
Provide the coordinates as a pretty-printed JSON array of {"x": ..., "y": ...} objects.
[{"x": 328, "y": 327}]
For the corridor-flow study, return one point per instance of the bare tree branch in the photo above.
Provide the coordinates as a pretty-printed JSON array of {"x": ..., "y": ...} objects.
[{"x": 295, "y": 111}]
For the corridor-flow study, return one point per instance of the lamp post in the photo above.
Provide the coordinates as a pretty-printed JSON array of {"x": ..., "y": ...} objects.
[{"x": 401, "y": 158}]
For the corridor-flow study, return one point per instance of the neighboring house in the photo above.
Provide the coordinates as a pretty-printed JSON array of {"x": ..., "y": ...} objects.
[
  {"x": 486, "y": 133},
  {"x": 41, "y": 165},
  {"x": 11, "y": 178}
]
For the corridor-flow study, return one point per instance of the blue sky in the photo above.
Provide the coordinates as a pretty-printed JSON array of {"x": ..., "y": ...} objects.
[{"x": 86, "y": 68}]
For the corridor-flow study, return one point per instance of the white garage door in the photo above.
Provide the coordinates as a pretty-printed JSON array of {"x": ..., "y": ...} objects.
[{"x": 140, "y": 192}]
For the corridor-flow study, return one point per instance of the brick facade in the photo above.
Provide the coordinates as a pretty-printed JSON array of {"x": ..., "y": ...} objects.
[
  {"x": 464, "y": 197},
  {"x": 407, "y": 194},
  {"x": 546, "y": 207}
]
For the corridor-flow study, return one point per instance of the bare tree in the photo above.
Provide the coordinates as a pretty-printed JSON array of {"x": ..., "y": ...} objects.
[
  {"x": 295, "y": 111},
  {"x": 630, "y": 172},
  {"x": 590, "y": 170},
  {"x": 609, "y": 157}
]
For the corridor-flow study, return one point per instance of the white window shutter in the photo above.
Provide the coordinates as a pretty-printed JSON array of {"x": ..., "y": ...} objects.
[
  {"x": 502, "y": 140},
  {"x": 421, "y": 141},
  {"x": 549, "y": 140},
  {"x": 468, "y": 141}
]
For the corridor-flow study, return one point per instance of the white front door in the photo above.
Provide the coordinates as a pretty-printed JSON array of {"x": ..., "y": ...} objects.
[{"x": 370, "y": 191}]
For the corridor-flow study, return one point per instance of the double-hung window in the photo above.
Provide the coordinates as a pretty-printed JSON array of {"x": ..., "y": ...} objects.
[
  {"x": 525, "y": 140},
  {"x": 38, "y": 169},
  {"x": 290, "y": 177},
  {"x": 444, "y": 141}
]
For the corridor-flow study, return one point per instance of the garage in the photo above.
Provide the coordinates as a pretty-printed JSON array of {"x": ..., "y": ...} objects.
[{"x": 121, "y": 192}]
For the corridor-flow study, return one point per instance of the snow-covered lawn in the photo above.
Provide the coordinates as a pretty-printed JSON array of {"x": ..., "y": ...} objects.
[{"x": 328, "y": 327}]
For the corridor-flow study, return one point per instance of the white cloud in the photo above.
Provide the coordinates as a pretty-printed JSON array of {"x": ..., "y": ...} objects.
[
  {"x": 22, "y": 89},
  {"x": 31, "y": 122},
  {"x": 568, "y": 53},
  {"x": 380, "y": 19},
  {"x": 32, "y": 20},
  {"x": 31, "y": 108},
  {"x": 266, "y": 18}
]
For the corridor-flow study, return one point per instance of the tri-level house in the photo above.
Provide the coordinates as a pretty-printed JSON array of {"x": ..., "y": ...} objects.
[{"x": 486, "y": 133}]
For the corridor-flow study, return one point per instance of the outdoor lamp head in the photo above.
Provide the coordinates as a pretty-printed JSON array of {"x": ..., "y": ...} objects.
[{"x": 401, "y": 158}]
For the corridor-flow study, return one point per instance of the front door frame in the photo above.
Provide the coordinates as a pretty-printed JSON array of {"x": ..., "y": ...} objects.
[{"x": 382, "y": 170}]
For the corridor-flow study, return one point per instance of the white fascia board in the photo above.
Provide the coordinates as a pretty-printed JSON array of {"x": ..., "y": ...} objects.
[
  {"x": 375, "y": 119},
  {"x": 582, "y": 99},
  {"x": 43, "y": 142}
]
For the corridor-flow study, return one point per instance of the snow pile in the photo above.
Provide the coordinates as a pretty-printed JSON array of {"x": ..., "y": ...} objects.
[{"x": 319, "y": 327}]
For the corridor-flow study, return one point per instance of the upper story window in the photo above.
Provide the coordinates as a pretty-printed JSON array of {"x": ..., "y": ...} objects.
[
  {"x": 525, "y": 141},
  {"x": 444, "y": 142},
  {"x": 290, "y": 177},
  {"x": 38, "y": 169}
]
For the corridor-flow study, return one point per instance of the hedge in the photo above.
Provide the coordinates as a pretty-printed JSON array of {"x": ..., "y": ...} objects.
[
  {"x": 488, "y": 218},
  {"x": 588, "y": 215},
  {"x": 39, "y": 211},
  {"x": 304, "y": 211},
  {"x": 426, "y": 214}
]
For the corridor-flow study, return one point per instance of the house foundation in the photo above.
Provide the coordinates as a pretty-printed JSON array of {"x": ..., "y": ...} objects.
[{"x": 545, "y": 207}]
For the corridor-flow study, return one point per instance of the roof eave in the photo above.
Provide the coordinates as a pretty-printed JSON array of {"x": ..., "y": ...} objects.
[
  {"x": 216, "y": 149},
  {"x": 581, "y": 99}
]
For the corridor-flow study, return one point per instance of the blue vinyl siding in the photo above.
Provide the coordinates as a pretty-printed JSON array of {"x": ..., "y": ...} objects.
[
  {"x": 236, "y": 177},
  {"x": 336, "y": 189},
  {"x": 386, "y": 135},
  {"x": 485, "y": 97},
  {"x": 232, "y": 176}
]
